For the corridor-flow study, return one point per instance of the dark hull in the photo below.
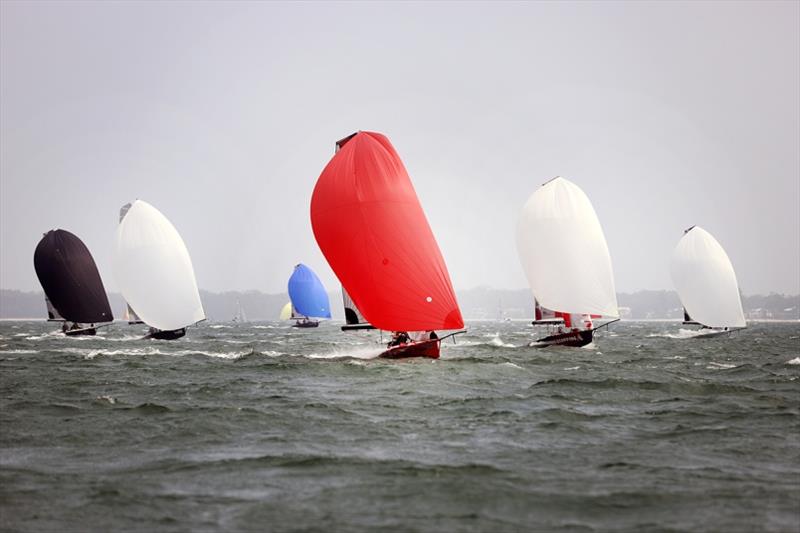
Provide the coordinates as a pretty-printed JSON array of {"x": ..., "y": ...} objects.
[
  {"x": 82, "y": 331},
  {"x": 308, "y": 324},
  {"x": 166, "y": 335},
  {"x": 428, "y": 348},
  {"x": 573, "y": 339}
]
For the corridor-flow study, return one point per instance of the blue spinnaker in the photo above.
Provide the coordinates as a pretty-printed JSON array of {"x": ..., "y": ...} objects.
[{"x": 307, "y": 293}]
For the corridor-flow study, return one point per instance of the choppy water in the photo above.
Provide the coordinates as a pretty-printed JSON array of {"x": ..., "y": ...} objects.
[{"x": 263, "y": 427}]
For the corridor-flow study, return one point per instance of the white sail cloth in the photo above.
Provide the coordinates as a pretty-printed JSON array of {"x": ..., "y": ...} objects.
[
  {"x": 564, "y": 252},
  {"x": 154, "y": 271},
  {"x": 706, "y": 283}
]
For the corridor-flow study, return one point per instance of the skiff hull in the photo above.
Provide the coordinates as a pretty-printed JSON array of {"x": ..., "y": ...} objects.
[
  {"x": 170, "y": 335},
  {"x": 82, "y": 331},
  {"x": 309, "y": 324},
  {"x": 429, "y": 348},
  {"x": 572, "y": 339}
]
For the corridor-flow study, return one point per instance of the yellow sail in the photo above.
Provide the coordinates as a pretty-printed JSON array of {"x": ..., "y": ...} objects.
[{"x": 286, "y": 312}]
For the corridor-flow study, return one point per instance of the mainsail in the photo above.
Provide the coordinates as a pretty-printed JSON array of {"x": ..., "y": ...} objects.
[
  {"x": 72, "y": 285},
  {"x": 564, "y": 252},
  {"x": 154, "y": 271},
  {"x": 352, "y": 316},
  {"x": 52, "y": 312},
  {"x": 130, "y": 314},
  {"x": 308, "y": 294},
  {"x": 706, "y": 282},
  {"x": 371, "y": 228}
]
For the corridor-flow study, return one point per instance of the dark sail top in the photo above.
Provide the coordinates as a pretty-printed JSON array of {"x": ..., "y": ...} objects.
[{"x": 70, "y": 278}]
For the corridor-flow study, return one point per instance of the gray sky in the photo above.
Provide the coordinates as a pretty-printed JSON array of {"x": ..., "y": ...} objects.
[{"x": 222, "y": 115}]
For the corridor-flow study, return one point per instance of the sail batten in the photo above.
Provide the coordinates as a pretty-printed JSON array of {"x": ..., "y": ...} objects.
[
  {"x": 154, "y": 271},
  {"x": 564, "y": 253},
  {"x": 706, "y": 282},
  {"x": 371, "y": 228}
]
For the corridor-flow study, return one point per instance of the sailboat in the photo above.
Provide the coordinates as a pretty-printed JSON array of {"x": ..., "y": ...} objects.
[
  {"x": 565, "y": 257},
  {"x": 308, "y": 297},
  {"x": 240, "y": 317},
  {"x": 155, "y": 274},
  {"x": 706, "y": 283},
  {"x": 371, "y": 228},
  {"x": 74, "y": 292}
]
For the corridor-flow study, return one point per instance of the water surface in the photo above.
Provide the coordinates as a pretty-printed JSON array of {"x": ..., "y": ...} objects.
[{"x": 265, "y": 427}]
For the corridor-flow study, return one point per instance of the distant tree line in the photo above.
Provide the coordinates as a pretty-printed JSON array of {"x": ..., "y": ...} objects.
[{"x": 479, "y": 303}]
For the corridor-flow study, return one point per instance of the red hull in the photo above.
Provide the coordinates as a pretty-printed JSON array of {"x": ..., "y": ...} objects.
[{"x": 428, "y": 348}]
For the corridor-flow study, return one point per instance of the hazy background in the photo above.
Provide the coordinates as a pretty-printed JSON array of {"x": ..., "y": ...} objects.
[{"x": 222, "y": 115}]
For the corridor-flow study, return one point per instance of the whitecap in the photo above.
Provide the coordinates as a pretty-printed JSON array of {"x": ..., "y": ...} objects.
[
  {"x": 512, "y": 365},
  {"x": 497, "y": 341},
  {"x": 108, "y": 399},
  {"x": 19, "y": 351},
  {"x": 720, "y": 366},
  {"x": 795, "y": 361}
]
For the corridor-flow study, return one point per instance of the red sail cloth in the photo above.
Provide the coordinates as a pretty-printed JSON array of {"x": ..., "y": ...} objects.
[{"x": 371, "y": 228}]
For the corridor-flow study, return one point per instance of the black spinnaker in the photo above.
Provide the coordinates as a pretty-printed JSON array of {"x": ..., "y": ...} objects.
[{"x": 70, "y": 279}]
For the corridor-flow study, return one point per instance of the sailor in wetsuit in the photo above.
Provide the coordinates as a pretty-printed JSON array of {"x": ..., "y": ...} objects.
[{"x": 398, "y": 338}]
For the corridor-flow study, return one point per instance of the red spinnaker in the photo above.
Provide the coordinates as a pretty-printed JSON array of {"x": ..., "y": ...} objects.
[{"x": 369, "y": 224}]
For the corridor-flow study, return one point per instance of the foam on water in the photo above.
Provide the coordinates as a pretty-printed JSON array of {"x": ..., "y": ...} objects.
[
  {"x": 795, "y": 361},
  {"x": 682, "y": 333}
]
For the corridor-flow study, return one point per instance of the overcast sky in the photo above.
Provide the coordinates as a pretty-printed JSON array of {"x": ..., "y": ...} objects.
[{"x": 222, "y": 115}]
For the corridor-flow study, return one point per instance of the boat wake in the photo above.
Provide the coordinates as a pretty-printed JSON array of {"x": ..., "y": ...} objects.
[
  {"x": 681, "y": 334},
  {"x": 371, "y": 352}
]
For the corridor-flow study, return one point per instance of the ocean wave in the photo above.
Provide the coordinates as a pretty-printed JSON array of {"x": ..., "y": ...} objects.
[
  {"x": 720, "y": 366},
  {"x": 795, "y": 361},
  {"x": 19, "y": 351},
  {"x": 90, "y": 354}
]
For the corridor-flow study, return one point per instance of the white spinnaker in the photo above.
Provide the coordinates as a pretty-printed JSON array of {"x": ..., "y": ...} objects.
[
  {"x": 706, "y": 283},
  {"x": 286, "y": 312},
  {"x": 154, "y": 271},
  {"x": 564, "y": 252}
]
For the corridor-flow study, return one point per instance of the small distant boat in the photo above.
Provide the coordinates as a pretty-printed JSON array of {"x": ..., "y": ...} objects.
[
  {"x": 706, "y": 283},
  {"x": 370, "y": 226},
  {"x": 308, "y": 298},
  {"x": 565, "y": 257},
  {"x": 155, "y": 274},
  {"x": 74, "y": 292},
  {"x": 240, "y": 317}
]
